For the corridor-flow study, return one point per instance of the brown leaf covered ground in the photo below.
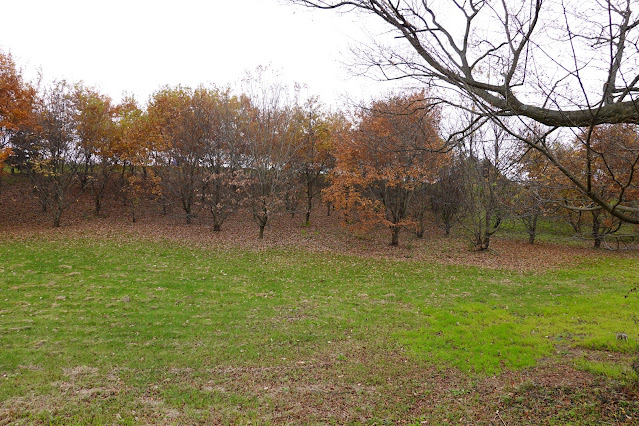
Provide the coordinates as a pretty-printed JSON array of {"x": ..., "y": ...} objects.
[
  {"x": 21, "y": 216},
  {"x": 318, "y": 389}
]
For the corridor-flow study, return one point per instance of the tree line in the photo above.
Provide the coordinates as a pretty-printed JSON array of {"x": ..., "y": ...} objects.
[
  {"x": 269, "y": 149},
  {"x": 537, "y": 70}
]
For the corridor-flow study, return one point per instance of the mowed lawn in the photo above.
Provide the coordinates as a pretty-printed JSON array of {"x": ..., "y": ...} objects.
[{"x": 134, "y": 331}]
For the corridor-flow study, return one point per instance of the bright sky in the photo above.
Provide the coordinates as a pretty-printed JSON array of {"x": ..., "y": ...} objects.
[{"x": 136, "y": 46}]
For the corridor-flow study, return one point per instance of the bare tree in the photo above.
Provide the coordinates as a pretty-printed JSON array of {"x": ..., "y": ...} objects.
[
  {"x": 271, "y": 145},
  {"x": 565, "y": 64},
  {"x": 314, "y": 157},
  {"x": 528, "y": 206},
  {"x": 485, "y": 167},
  {"x": 537, "y": 188},
  {"x": 54, "y": 169},
  {"x": 447, "y": 196},
  {"x": 223, "y": 175}
]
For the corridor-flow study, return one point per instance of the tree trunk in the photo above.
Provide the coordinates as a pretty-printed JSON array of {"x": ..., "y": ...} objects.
[
  {"x": 123, "y": 184},
  {"x": 595, "y": 230},
  {"x": 447, "y": 225},
  {"x": 484, "y": 244},
  {"x": 532, "y": 229},
  {"x": 59, "y": 207},
  {"x": 395, "y": 236},
  {"x": 597, "y": 243},
  {"x": 309, "y": 204},
  {"x": 485, "y": 238},
  {"x": 44, "y": 201},
  {"x": 85, "y": 175},
  {"x": 56, "y": 218},
  {"x": 261, "y": 216}
]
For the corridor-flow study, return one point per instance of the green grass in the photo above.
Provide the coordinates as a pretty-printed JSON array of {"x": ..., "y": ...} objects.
[
  {"x": 608, "y": 369},
  {"x": 101, "y": 330},
  {"x": 511, "y": 320},
  {"x": 549, "y": 229}
]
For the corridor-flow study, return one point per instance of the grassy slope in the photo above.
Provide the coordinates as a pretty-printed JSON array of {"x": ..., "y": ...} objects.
[{"x": 106, "y": 330}]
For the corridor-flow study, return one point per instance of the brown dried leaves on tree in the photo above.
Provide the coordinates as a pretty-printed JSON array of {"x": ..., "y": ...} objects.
[{"x": 383, "y": 160}]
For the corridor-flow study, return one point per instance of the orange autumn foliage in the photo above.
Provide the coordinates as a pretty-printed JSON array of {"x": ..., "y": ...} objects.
[
  {"x": 615, "y": 160},
  {"x": 16, "y": 97},
  {"x": 5, "y": 153},
  {"x": 16, "y": 104},
  {"x": 607, "y": 160},
  {"x": 381, "y": 161}
]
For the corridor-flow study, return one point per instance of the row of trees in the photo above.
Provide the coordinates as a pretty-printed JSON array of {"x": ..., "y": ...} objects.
[
  {"x": 537, "y": 70},
  {"x": 201, "y": 148},
  {"x": 268, "y": 150}
]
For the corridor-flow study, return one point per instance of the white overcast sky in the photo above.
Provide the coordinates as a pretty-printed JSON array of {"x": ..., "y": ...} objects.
[{"x": 136, "y": 46}]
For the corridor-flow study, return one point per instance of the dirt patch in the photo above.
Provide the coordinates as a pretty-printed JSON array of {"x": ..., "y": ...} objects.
[{"x": 76, "y": 372}]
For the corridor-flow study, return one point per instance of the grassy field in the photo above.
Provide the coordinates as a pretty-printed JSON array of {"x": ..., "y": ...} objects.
[{"x": 128, "y": 330}]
